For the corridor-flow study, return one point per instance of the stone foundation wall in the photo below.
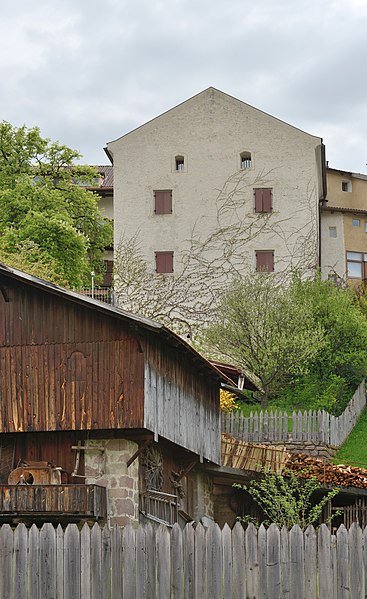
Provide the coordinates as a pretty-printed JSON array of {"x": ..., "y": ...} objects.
[
  {"x": 108, "y": 468},
  {"x": 317, "y": 450}
]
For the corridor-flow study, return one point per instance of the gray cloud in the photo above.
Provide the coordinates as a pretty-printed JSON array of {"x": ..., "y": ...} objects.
[{"x": 87, "y": 72}]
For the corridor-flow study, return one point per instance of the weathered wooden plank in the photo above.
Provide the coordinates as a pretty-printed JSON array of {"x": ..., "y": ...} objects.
[
  {"x": 72, "y": 562},
  {"x": 116, "y": 562},
  {"x": 310, "y": 563},
  {"x": 342, "y": 551},
  {"x": 96, "y": 561},
  {"x": 261, "y": 549},
  {"x": 20, "y": 561},
  {"x": 356, "y": 562},
  {"x": 238, "y": 550},
  {"x": 251, "y": 565},
  {"x": 189, "y": 561},
  {"x": 60, "y": 563},
  {"x": 296, "y": 554},
  {"x": 33, "y": 562},
  {"x": 85, "y": 562},
  {"x": 214, "y": 561},
  {"x": 151, "y": 562},
  {"x": 129, "y": 563},
  {"x": 163, "y": 563},
  {"x": 334, "y": 565},
  {"x": 140, "y": 549},
  {"x": 324, "y": 560},
  {"x": 47, "y": 561},
  {"x": 273, "y": 561},
  {"x": 106, "y": 562},
  {"x": 227, "y": 561},
  {"x": 199, "y": 564},
  {"x": 177, "y": 578}
]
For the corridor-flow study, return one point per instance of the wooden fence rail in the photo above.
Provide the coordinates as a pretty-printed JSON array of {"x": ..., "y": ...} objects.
[
  {"x": 316, "y": 426},
  {"x": 193, "y": 563}
]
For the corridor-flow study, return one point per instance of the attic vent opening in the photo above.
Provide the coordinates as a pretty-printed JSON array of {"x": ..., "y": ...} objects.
[
  {"x": 245, "y": 160},
  {"x": 180, "y": 163}
]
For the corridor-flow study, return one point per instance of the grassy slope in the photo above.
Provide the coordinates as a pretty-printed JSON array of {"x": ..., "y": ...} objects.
[{"x": 354, "y": 450}]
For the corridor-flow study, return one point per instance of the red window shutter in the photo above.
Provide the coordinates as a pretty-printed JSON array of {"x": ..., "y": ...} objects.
[
  {"x": 163, "y": 202},
  {"x": 164, "y": 262},
  {"x": 263, "y": 200},
  {"x": 265, "y": 261}
]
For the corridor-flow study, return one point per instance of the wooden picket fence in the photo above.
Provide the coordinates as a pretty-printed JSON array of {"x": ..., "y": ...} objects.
[
  {"x": 194, "y": 563},
  {"x": 314, "y": 426}
]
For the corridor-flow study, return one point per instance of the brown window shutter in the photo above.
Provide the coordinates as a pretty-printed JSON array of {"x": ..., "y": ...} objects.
[
  {"x": 266, "y": 200},
  {"x": 263, "y": 200},
  {"x": 164, "y": 262},
  {"x": 265, "y": 261},
  {"x": 258, "y": 200},
  {"x": 163, "y": 202}
]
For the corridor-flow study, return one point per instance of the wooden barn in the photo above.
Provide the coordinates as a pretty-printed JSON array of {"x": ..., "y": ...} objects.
[{"x": 103, "y": 414}]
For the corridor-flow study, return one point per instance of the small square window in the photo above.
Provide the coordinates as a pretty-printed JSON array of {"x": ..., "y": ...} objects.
[
  {"x": 356, "y": 222},
  {"x": 332, "y": 232},
  {"x": 164, "y": 262},
  {"x": 346, "y": 186},
  {"x": 180, "y": 163}
]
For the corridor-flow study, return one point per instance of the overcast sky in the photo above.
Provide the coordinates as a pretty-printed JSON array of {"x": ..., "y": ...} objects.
[{"x": 87, "y": 72}]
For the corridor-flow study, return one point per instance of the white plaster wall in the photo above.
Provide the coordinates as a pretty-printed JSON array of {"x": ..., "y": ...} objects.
[
  {"x": 332, "y": 248},
  {"x": 211, "y": 130}
]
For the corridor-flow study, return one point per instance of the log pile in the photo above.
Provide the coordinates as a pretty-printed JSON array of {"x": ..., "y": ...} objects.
[{"x": 329, "y": 474}]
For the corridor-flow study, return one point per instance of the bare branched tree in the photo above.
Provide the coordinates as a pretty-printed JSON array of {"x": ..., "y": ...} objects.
[{"x": 187, "y": 299}]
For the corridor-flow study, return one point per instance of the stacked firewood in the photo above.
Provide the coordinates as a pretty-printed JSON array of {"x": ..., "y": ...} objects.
[{"x": 326, "y": 473}]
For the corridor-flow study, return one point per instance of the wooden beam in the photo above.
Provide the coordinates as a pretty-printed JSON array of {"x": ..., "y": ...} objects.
[{"x": 139, "y": 451}]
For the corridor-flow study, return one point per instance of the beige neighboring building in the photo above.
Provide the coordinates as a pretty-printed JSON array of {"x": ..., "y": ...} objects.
[
  {"x": 344, "y": 227},
  {"x": 216, "y": 168}
]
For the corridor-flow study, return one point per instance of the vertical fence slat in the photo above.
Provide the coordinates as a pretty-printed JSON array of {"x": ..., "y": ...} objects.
[
  {"x": 20, "y": 561},
  {"x": 33, "y": 562},
  {"x": 96, "y": 561},
  {"x": 60, "y": 563},
  {"x": 141, "y": 576},
  {"x": 273, "y": 561},
  {"x": 296, "y": 553},
  {"x": 47, "y": 562},
  {"x": 199, "y": 564},
  {"x": 116, "y": 549},
  {"x": 176, "y": 562},
  {"x": 214, "y": 561},
  {"x": 163, "y": 562},
  {"x": 356, "y": 562},
  {"x": 238, "y": 550},
  {"x": 284, "y": 562},
  {"x": 251, "y": 565},
  {"x": 310, "y": 563},
  {"x": 261, "y": 552},
  {"x": 227, "y": 561},
  {"x": 189, "y": 561},
  {"x": 324, "y": 554},
  {"x": 106, "y": 563},
  {"x": 129, "y": 562},
  {"x": 342, "y": 552},
  {"x": 85, "y": 561},
  {"x": 72, "y": 562}
]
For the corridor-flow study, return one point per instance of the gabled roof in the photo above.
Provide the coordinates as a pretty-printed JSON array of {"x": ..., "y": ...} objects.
[
  {"x": 202, "y": 93},
  {"x": 164, "y": 333},
  {"x": 347, "y": 173}
]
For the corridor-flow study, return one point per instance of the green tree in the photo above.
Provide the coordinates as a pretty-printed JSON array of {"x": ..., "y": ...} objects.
[
  {"x": 266, "y": 329},
  {"x": 43, "y": 201},
  {"x": 288, "y": 498}
]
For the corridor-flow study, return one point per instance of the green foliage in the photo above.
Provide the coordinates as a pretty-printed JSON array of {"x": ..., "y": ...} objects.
[
  {"x": 288, "y": 499},
  {"x": 266, "y": 329},
  {"x": 304, "y": 344},
  {"x": 42, "y": 201},
  {"x": 354, "y": 450}
]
